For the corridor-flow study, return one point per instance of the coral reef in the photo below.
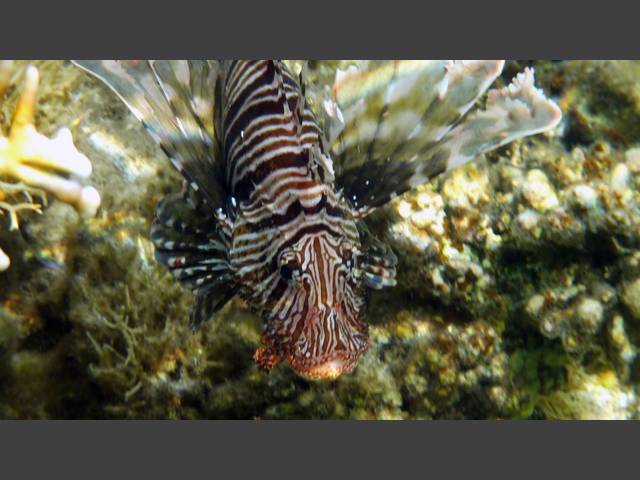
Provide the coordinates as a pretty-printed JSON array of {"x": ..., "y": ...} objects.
[
  {"x": 592, "y": 396},
  {"x": 36, "y": 164},
  {"x": 518, "y": 281}
]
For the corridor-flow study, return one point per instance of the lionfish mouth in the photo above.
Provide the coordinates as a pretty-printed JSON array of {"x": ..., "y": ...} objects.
[
  {"x": 325, "y": 367},
  {"x": 328, "y": 367}
]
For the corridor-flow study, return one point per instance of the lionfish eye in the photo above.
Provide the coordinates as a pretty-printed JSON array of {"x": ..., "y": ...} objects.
[
  {"x": 286, "y": 272},
  {"x": 289, "y": 269}
]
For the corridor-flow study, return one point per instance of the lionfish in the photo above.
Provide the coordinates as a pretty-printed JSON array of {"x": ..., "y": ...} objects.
[{"x": 273, "y": 204}]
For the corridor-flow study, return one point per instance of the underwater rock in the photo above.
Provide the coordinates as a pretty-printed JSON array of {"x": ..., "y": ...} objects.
[
  {"x": 10, "y": 335},
  {"x": 623, "y": 347},
  {"x": 539, "y": 192},
  {"x": 573, "y": 312},
  {"x": 585, "y": 196},
  {"x": 598, "y": 396},
  {"x": 590, "y": 312},
  {"x": 631, "y": 298},
  {"x": 599, "y": 99},
  {"x": 632, "y": 157},
  {"x": 450, "y": 370}
]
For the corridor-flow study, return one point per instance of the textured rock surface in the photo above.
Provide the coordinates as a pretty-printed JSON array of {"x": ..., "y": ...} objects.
[{"x": 518, "y": 295}]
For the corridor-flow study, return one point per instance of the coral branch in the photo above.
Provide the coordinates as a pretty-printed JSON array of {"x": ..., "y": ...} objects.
[
  {"x": 4, "y": 261},
  {"x": 6, "y": 67},
  {"x": 40, "y": 164}
]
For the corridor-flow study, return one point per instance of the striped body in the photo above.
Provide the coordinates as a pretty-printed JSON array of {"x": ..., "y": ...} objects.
[{"x": 293, "y": 239}]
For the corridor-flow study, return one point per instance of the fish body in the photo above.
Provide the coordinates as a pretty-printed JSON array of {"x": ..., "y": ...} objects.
[
  {"x": 293, "y": 235},
  {"x": 273, "y": 204}
]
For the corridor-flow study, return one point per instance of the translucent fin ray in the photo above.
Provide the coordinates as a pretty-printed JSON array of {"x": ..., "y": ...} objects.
[
  {"x": 175, "y": 101},
  {"x": 398, "y": 124}
]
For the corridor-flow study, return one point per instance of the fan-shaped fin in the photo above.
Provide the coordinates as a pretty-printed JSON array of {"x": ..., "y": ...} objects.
[
  {"x": 195, "y": 249},
  {"x": 175, "y": 100},
  {"x": 398, "y": 124}
]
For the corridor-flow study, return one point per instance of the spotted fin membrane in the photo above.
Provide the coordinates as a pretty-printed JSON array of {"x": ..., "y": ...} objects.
[{"x": 188, "y": 242}]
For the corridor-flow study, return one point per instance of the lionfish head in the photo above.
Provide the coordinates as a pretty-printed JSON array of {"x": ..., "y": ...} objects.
[{"x": 315, "y": 323}]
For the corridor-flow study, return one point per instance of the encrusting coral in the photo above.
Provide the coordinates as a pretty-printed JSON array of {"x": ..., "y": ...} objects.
[{"x": 32, "y": 164}]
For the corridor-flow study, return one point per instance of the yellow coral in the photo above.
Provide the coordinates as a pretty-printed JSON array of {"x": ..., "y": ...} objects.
[{"x": 37, "y": 164}]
